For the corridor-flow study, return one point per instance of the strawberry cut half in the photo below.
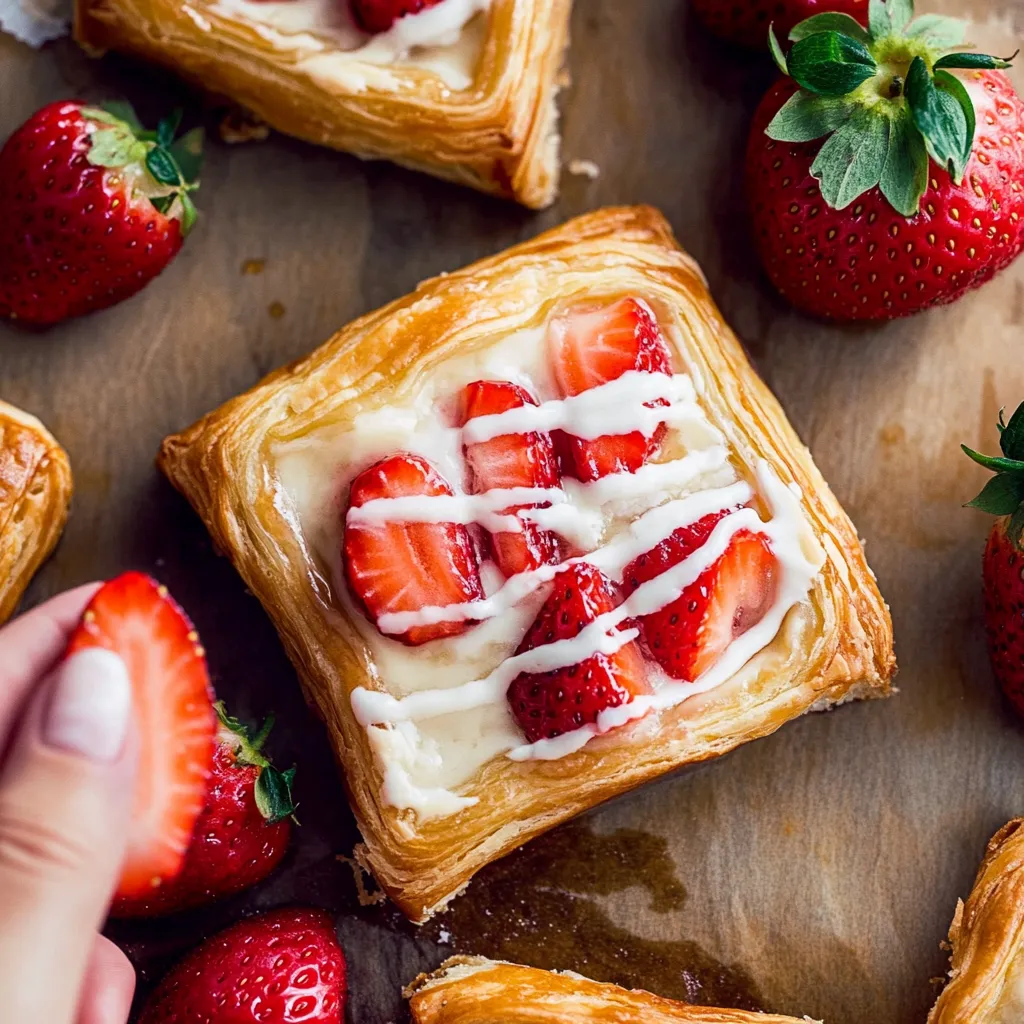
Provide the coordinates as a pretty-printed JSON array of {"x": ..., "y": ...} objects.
[
  {"x": 593, "y": 347},
  {"x": 380, "y": 15},
  {"x": 511, "y": 460},
  {"x": 134, "y": 617},
  {"x": 403, "y": 567},
  {"x": 689, "y": 635},
  {"x": 548, "y": 704}
]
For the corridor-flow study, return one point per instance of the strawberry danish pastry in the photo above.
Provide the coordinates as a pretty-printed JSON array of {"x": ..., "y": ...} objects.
[{"x": 533, "y": 535}]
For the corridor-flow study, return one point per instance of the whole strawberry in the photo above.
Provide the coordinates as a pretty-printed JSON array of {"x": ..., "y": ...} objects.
[
  {"x": 880, "y": 182},
  {"x": 92, "y": 208},
  {"x": 242, "y": 833},
  {"x": 1003, "y": 564},
  {"x": 284, "y": 967},
  {"x": 746, "y": 24}
]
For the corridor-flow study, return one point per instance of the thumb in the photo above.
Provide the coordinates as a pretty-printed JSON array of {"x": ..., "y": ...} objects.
[{"x": 65, "y": 804}]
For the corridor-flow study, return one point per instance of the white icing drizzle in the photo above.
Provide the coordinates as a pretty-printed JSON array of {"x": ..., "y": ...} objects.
[{"x": 610, "y": 409}]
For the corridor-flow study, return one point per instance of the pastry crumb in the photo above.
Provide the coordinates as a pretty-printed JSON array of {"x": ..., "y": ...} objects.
[
  {"x": 276, "y": 310},
  {"x": 584, "y": 168},
  {"x": 366, "y": 897},
  {"x": 239, "y": 126},
  {"x": 250, "y": 267}
]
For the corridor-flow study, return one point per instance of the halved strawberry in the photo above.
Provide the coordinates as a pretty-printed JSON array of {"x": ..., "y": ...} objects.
[
  {"x": 403, "y": 567},
  {"x": 548, "y": 704},
  {"x": 596, "y": 346},
  {"x": 380, "y": 15},
  {"x": 511, "y": 460},
  {"x": 137, "y": 619},
  {"x": 689, "y": 635}
]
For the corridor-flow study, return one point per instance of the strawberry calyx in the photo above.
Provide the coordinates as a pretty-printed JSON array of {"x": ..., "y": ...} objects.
[
  {"x": 1003, "y": 495},
  {"x": 882, "y": 97},
  {"x": 273, "y": 789},
  {"x": 160, "y": 167}
]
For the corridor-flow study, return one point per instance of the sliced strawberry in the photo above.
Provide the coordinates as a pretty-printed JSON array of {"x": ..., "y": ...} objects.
[
  {"x": 596, "y": 346},
  {"x": 137, "y": 619},
  {"x": 403, "y": 567},
  {"x": 548, "y": 704},
  {"x": 380, "y": 15},
  {"x": 689, "y": 635},
  {"x": 511, "y": 460}
]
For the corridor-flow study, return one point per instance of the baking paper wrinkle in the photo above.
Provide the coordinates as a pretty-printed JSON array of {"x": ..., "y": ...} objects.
[{"x": 35, "y": 21}]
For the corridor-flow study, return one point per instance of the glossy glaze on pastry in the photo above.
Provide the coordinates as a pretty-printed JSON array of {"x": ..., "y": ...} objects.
[
  {"x": 464, "y": 90},
  {"x": 434, "y": 787},
  {"x": 35, "y": 489},
  {"x": 472, "y": 990},
  {"x": 986, "y": 977}
]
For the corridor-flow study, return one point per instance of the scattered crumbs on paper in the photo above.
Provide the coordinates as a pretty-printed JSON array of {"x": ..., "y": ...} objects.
[
  {"x": 252, "y": 267},
  {"x": 276, "y": 310},
  {"x": 444, "y": 937},
  {"x": 35, "y": 21},
  {"x": 584, "y": 168},
  {"x": 366, "y": 896},
  {"x": 239, "y": 126}
]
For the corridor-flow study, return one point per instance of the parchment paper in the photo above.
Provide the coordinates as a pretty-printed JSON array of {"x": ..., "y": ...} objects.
[{"x": 813, "y": 872}]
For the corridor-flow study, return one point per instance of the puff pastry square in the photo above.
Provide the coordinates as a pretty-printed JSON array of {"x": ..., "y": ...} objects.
[
  {"x": 441, "y": 777},
  {"x": 35, "y": 489},
  {"x": 478, "y": 107},
  {"x": 472, "y": 990},
  {"x": 986, "y": 977}
]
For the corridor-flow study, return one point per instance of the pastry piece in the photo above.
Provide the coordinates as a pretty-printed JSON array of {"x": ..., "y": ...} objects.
[
  {"x": 35, "y": 488},
  {"x": 986, "y": 977},
  {"x": 472, "y": 990},
  {"x": 682, "y": 579},
  {"x": 464, "y": 89}
]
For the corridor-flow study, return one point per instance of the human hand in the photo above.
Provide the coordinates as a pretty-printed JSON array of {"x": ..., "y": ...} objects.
[{"x": 67, "y": 763}]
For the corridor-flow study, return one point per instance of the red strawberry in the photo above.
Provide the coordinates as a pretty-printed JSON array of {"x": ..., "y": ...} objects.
[
  {"x": 746, "y": 23},
  {"x": 402, "y": 567},
  {"x": 137, "y": 619},
  {"x": 380, "y": 15},
  {"x": 548, "y": 704},
  {"x": 596, "y": 346},
  {"x": 284, "y": 967},
  {"x": 243, "y": 832},
  {"x": 689, "y": 635},
  {"x": 92, "y": 208},
  {"x": 511, "y": 460},
  {"x": 904, "y": 205},
  {"x": 1003, "y": 565}
]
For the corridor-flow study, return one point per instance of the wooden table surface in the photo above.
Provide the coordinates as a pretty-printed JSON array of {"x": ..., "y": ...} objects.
[{"x": 812, "y": 872}]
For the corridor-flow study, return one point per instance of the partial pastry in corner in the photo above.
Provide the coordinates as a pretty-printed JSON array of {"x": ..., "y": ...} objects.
[
  {"x": 473, "y": 990},
  {"x": 986, "y": 976},
  {"x": 533, "y": 535},
  {"x": 35, "y": 489},
  {"x": 462, "y": 89}
]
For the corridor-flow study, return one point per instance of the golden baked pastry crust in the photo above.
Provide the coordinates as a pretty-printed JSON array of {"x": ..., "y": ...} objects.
[
  {"x": 35, "y": 489},
  {"x": 499, "y": 136},
  {"x": 223, "y": 466},
  {"x": 472, "y": 990},
  {"x": 987, "y": 939}
]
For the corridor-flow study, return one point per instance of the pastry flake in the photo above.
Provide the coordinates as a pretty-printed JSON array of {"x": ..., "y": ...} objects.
[
  {"x": 35, "y": 489},
  {"x": 473, "y": 990},
  {"x": 476, "y": 105},
  {"x": 986, "y": 977},
  {"x": 681, "y": 481}
]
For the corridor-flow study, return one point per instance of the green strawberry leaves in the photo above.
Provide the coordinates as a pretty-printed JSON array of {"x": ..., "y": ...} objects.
[
  {"x": 273, "y": 789},
  {"x": 883, "y": 98},
  {"x": 1003, "y": 495}
]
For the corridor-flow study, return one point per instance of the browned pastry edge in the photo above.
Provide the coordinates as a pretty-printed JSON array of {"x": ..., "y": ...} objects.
[
  {"x": 987, "y": 933},
  {"x": 472, "y": 990},
  {"x": 35, "y": 489},
  {"x": 220, "y": 464},
  {"x": 499, "y": 136}
]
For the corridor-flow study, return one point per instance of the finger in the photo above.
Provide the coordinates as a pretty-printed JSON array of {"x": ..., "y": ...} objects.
[
  {"x": 109, "y": 986},
  {"x": 31, "y": 645},
  {"x": 65, "y": 803}
]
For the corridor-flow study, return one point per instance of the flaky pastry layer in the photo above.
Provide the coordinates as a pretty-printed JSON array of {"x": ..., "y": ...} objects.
[
  {"x": 472, "y": 990},
  {"x": 35, "y": 489},
  {"x": 986, "y": 977},
  {"x": 499, "y": 135},
  {"x": 223, "y": 464}
]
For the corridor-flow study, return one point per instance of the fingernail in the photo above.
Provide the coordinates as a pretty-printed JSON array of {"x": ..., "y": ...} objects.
[{"x": 90, "y": 706}]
